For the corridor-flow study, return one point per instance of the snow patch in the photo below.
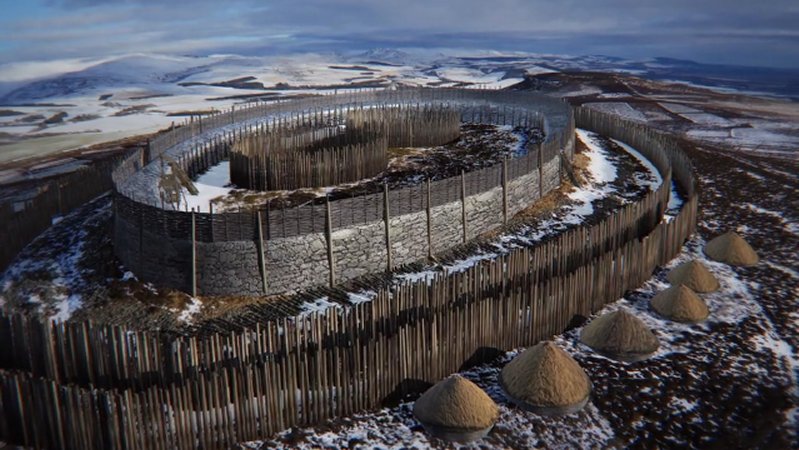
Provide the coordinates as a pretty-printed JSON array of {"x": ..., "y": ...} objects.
[{"x": 192, "y": 308}]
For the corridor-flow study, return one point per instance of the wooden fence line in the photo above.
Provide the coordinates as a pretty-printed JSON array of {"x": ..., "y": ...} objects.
[
  {"x": 301, "y": 370},
  {"x": 571, "y": 249},
  {"x": 326, "y": 148},
  {"x": 346, "y": 212},
  {"x": 24, "y": 220}
]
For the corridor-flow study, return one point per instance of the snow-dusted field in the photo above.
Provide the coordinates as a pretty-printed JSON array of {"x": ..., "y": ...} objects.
[{"x": 619, "y": 109}]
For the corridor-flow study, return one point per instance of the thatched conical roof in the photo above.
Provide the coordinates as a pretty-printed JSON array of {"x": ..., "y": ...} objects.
[
  {"x": 456, "y": 402},
  {"x": 694, "y": 275},
  {"x": 732, "y": 249},
  {"x": 620, "y": 335},
  {"x": 681, "y": 304},
  {"x": 545, "y": 376}
]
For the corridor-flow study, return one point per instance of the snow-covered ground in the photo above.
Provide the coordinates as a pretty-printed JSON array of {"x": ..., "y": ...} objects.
[
  {"x": 212, "y": 184},
  {"x": 620, "y": 109},
  {"x": 49, "y": 272}
]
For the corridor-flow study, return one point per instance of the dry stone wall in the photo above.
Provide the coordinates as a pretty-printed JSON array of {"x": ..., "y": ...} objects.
[
  {"x": 228, "y": 257},
  {"x": 359, "y": 250}
]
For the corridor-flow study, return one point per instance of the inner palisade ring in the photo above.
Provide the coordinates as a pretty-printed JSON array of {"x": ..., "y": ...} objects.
[{"x": 325, "y": 150}]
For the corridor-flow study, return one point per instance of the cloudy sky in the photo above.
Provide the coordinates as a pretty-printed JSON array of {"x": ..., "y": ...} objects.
[{"x": 715, "y": 31}]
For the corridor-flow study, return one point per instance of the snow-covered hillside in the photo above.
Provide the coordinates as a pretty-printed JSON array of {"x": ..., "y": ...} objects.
[{"x": 69, "y": 104}]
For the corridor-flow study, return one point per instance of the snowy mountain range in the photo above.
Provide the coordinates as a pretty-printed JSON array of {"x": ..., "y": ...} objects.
[
  {"x": 164, "y": 73},
  {"x": 61, "y": 105}
]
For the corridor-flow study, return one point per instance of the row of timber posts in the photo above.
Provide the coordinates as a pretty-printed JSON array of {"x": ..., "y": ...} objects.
[
  {"x": 216, "y": 390},
  {"x": 300, "y": 371}
]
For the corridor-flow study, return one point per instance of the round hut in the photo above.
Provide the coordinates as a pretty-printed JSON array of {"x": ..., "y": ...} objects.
[
  {"x": 694, "y": 275},
  {"x": 546, "y": 380},
  {"x": 620, "y": 335},
  {"x": 680, "y": 304},
  {"x": 457, "y": 410},
  {"x": 732, "y": 249}
]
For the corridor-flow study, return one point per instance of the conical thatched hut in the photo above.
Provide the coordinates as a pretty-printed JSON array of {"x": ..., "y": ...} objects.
[
  {"x": 694, "y": 275},
  {"x": 546, "y": 380},
  {"x": 681, "y": 304},
  {"x": 732, "y": 249},
  {"x": 620, "y": 335},
  {"x": 457, "y": 410}
]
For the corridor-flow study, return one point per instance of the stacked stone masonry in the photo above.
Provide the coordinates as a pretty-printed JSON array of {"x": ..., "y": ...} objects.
[{"x": 235, "y": 265}]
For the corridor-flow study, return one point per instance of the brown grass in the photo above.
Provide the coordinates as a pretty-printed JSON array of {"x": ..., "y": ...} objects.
[{"x": 147, "y": 296}]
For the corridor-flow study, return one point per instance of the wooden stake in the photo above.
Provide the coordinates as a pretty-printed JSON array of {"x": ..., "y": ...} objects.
[
  {"x": 193, "y": 255},
  {"x": 329, "y": 238},
  {"x": 463, "y": 204},
  {"x": 387, "y": 222},
  {"x": 505, "y": 190},
  {"x": 429, "y": 223},
  {"x": 261, "y": 251},
  {"x": 540, "y": 171}
]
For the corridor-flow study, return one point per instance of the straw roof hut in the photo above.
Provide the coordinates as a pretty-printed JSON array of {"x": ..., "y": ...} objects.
[
  {"x": 694, "y": 275},
  {"x": 456, "y": 409},
  {"x": 732, "y": 249},
  {"x": 681, "y": 304},
  {"x": 546, "y": 380},
  {"x": 620, "y": 335}
]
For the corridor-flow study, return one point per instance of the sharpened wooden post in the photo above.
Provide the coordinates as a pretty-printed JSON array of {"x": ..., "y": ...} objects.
[
  {"x": 505, "y": 190},
  {"x": 387, "y": 221},
  {"x": 193, "y": 255},
  {"x": 331, "y": 262},
  {"x": 429, "y": 224},
  {"x": 540, "y": 171},
  {"x": 211, "y": 218},
  {"x": 261, "y": 250},
  {"x": 463, "y": 204}
]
